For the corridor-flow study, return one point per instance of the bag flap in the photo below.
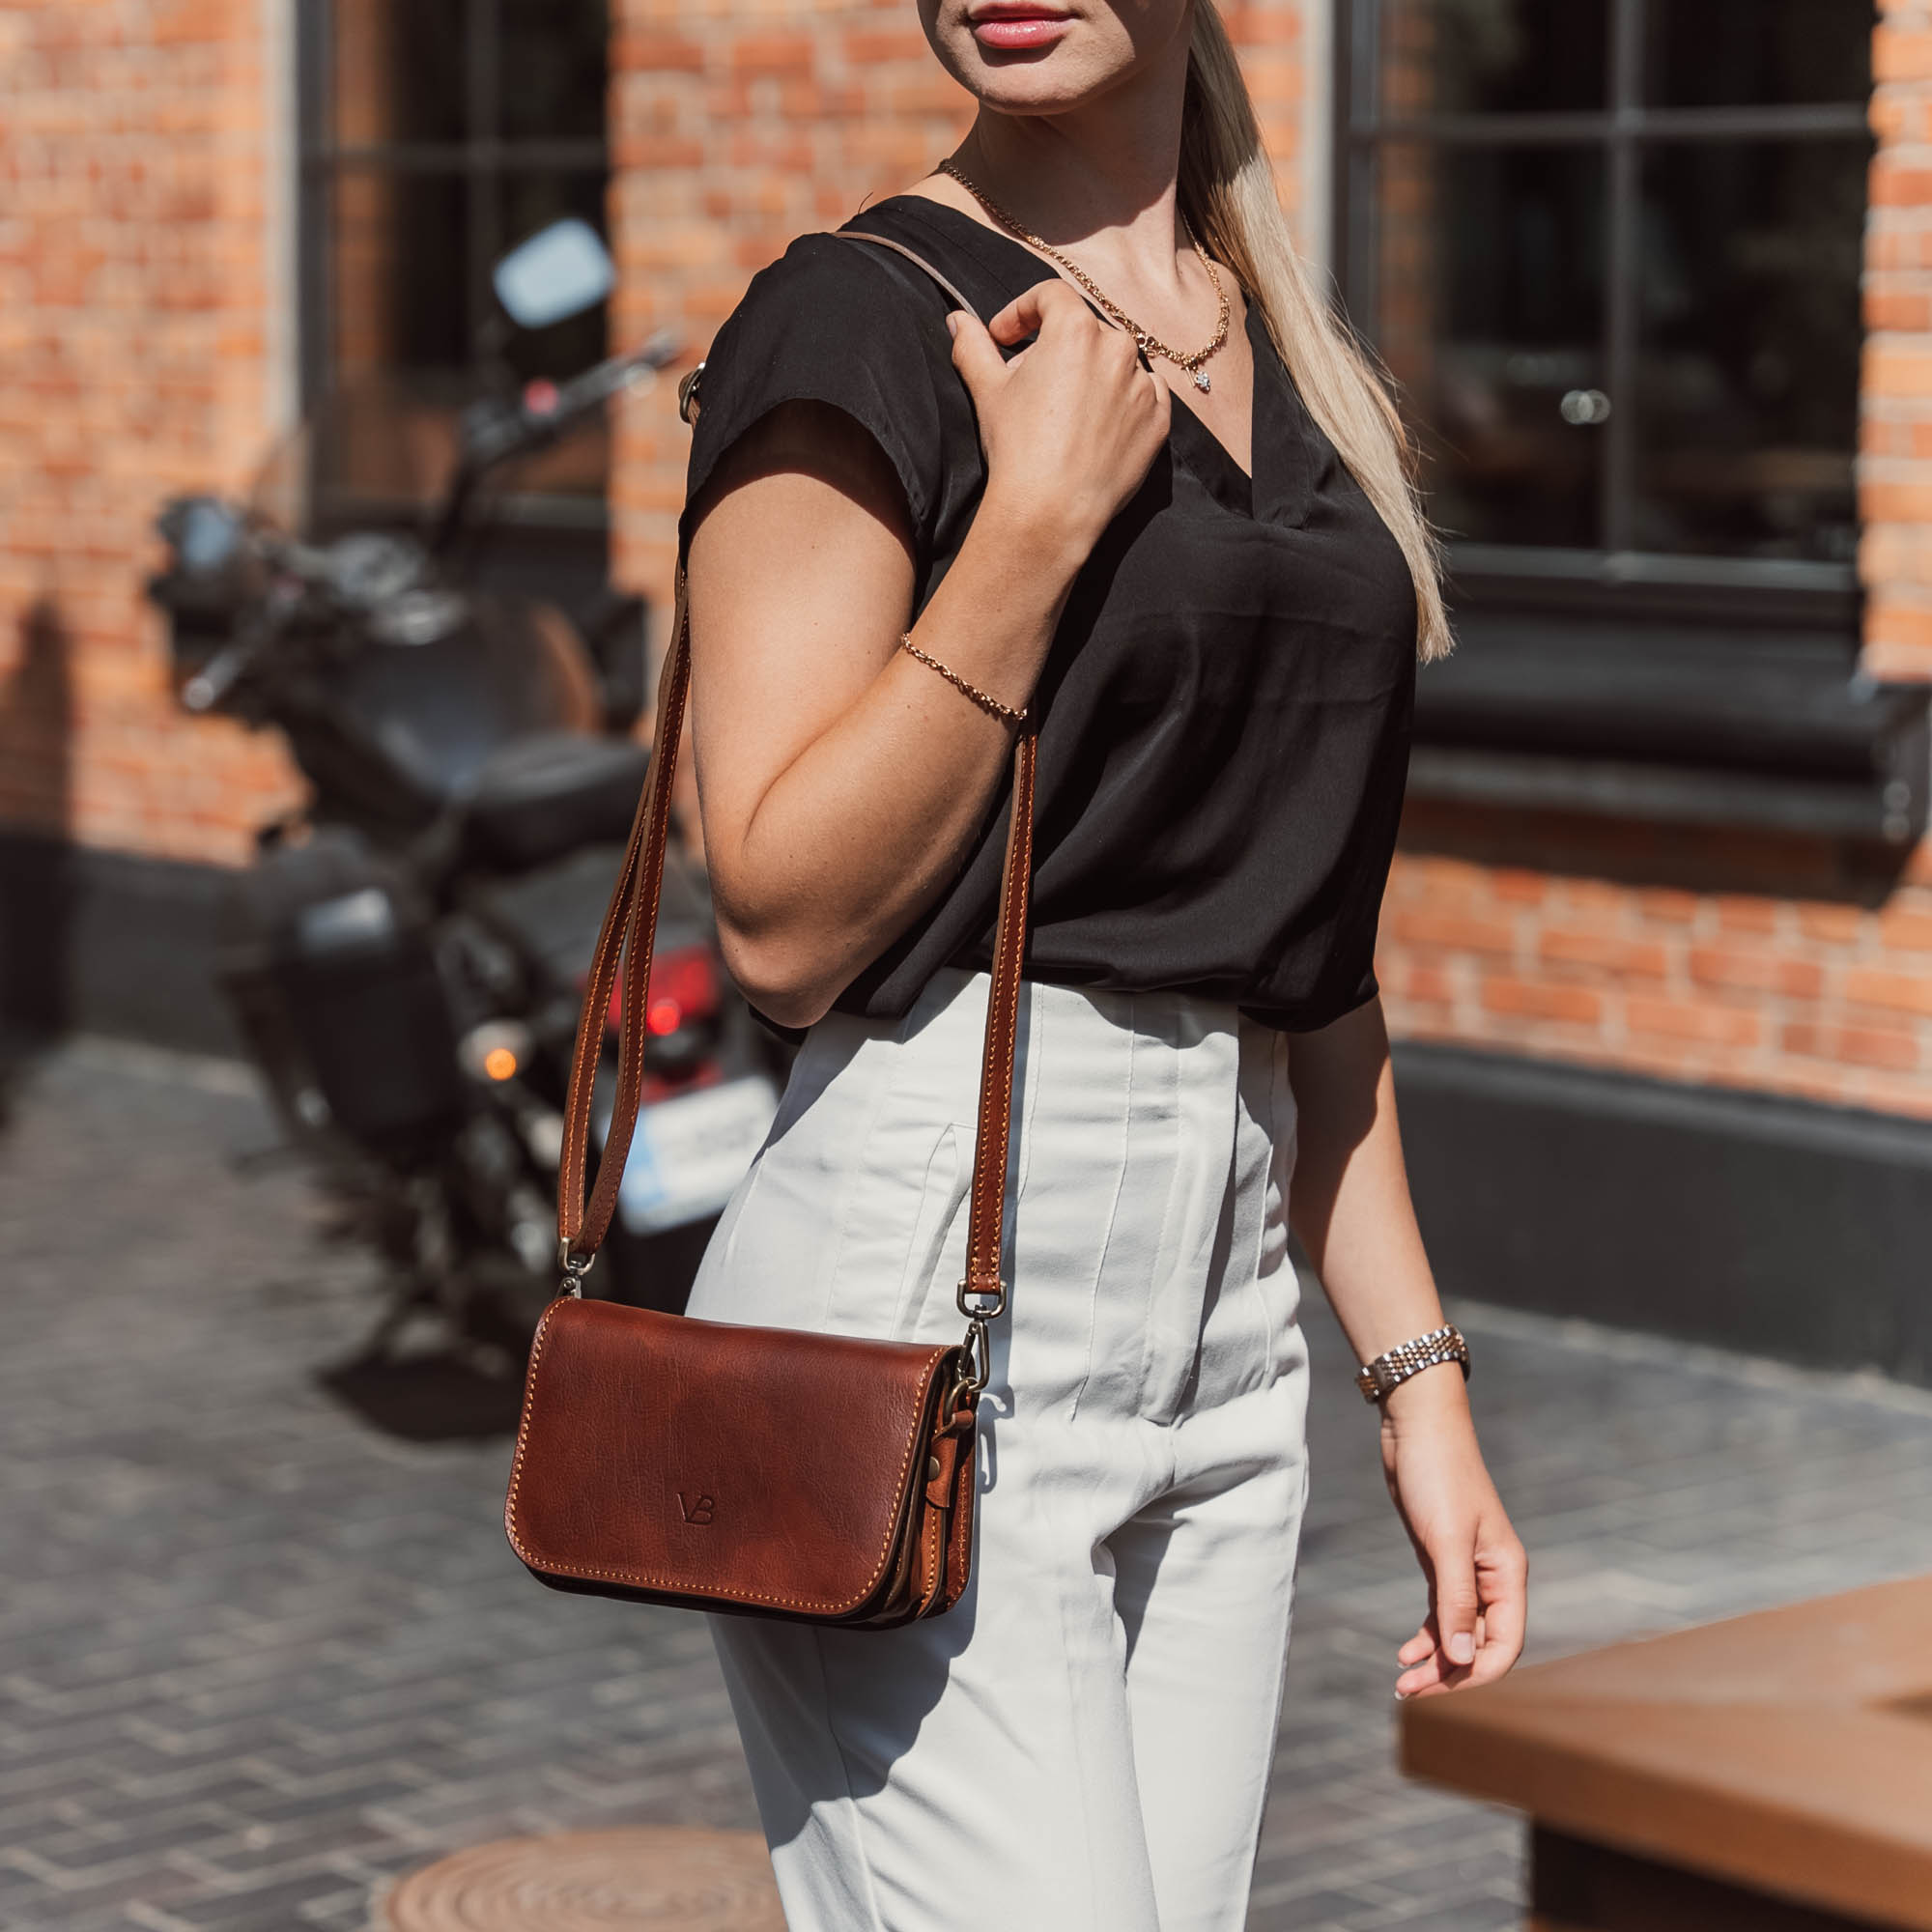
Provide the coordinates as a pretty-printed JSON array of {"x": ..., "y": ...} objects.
[{"x": 761, "y": 1465}]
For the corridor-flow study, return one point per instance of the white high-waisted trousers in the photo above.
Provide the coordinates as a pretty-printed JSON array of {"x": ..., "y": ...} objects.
[{"x": 1084, "y": 1741}]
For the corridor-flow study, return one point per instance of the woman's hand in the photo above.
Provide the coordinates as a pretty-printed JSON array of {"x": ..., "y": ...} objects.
[
  {"x": 843, "y": 782},
  {"x": 1474, "y": 1564},
  {"x": 1070, "y": 425},
  {"x": 1349, "y": 1205}
]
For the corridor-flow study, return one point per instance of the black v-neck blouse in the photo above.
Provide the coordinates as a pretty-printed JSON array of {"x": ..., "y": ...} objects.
[{"x": 1224, "y": 714}]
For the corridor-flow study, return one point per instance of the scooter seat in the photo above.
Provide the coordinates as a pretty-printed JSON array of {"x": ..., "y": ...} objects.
[{"x": 549, "y": 793}]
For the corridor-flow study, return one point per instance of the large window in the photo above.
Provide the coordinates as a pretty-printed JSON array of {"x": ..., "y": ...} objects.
[
  {"x": 1612, "y": 251},
  {"x": 437, "y": 135}
]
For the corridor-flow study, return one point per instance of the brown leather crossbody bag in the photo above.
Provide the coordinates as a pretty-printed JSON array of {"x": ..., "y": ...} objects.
[{"x": 762, "y": 1471}]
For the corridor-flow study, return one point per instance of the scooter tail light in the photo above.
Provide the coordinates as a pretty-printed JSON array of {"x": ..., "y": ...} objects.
[
  {"x": 684, "y": 987},
  {"x": 495, "y": 1051}
]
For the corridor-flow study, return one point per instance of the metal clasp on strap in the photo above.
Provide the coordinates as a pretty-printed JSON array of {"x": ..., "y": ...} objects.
[
  {"x": 997, "y": 1295},
  {"x": 979, "y": 1306},
  {"x": 573, "y": 1268},
  {"x": 688, "y": 404}
]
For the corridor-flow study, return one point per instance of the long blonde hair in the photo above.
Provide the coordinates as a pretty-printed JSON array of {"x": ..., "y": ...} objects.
[{"x": 1227, "y": 197}]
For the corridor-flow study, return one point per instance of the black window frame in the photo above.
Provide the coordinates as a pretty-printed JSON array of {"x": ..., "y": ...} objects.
[
  {"x": 482, "y": 156},
  {"x": 1613, "y": 579}
]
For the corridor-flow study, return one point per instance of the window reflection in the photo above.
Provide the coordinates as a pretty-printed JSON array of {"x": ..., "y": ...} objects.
[
  {"x": 1491, "y": 318},
  {"x": 1620, "y": 330},
  {"x": 1492, "y": 56},
  {"x": 430, "y": 169},
  {"x": 555, "y": 59},
  {"x": 400, "y": 300},
  {"x": 1749, "y": 372},
  {"x": 398, "y": 71},
  {"x": 1759, "y": 53}
]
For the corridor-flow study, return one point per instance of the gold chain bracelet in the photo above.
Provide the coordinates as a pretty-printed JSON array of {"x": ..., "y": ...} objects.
[{"x": 984, "y": 700}]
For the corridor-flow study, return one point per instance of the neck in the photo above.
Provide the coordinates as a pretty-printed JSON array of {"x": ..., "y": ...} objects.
[{"x": 1102, "y": 178}]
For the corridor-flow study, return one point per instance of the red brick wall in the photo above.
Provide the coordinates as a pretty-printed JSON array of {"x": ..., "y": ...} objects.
[
  {"x": 1595, "y": 953},
  {"x": 1896, "y": 467},
  {"x": 134, "y": 305},
  {"x": 739, "y": 128}
]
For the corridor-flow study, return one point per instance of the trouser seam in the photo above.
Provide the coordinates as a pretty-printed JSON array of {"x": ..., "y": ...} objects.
[
  {"x": 854, "y": 1810},
  {"x": 1260, "y": 1811},
  {"x": 1266, "y": 1311},
  {"x": 1106, "y": 1243}
]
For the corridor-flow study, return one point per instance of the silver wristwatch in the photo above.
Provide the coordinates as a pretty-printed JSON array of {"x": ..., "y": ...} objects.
[{"x": 1394, "y": 1366}]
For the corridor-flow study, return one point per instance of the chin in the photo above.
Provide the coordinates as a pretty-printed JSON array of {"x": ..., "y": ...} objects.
[{"x": 1043, "y": 88}]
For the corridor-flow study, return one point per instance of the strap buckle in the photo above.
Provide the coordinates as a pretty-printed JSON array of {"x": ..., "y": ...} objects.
[
  {"x": 687, "y": 393},
  {"x": 573, "y": 1268},
  {"x": 976, "y": 1370},
  {"x": 980, "y": 1306},
  {"x": 968, "y": 1291}
]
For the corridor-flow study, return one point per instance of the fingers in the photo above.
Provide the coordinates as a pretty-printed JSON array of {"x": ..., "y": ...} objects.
[
  {"x": 1432, "y": 1675},
  {"x": 1503, "y": 1578},
  {"x": 1457, "y": 1603},
  {"x": 975, "y": 355},
  {"x": 1048, "y": 304},
  {"x": 1429, "y": 1669},
  {"x": 1423, "y": 1666},
  {"x": 1499, "y": 1576},
  {"x": 1162, "y": 398},
  {"x": 1073, "y": 420}
]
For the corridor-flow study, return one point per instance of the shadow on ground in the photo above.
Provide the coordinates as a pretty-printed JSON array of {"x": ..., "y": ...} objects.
[{"x": 427, "y": 1397}]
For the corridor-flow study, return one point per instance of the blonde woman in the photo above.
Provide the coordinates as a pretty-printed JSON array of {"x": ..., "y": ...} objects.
[{"x": 1149, "y": 501}]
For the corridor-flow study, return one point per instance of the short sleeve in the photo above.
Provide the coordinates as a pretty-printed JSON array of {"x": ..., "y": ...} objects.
[{"x": 830, "y": 321}]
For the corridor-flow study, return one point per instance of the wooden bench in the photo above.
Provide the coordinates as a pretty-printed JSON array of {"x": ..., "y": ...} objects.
[{"x": 1770, "y": 1773}]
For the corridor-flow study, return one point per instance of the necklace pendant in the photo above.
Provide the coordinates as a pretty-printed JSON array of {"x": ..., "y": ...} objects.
[{"x": 1201, "y": 380}]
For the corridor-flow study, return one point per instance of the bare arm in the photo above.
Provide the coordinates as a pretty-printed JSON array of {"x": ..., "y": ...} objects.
[
  {"x": 1350, "y": 1206},
  {"x": 842, "y": 782}
]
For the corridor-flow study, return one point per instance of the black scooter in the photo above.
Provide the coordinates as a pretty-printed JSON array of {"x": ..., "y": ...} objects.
[{"x": 405, "y": 957}]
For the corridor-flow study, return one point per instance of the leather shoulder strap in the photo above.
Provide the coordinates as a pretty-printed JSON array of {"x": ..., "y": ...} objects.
[
  {"x": 629, "y": 933},
  {"x": 913, "y": 256}
]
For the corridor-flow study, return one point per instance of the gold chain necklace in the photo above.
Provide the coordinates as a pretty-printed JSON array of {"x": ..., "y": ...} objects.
[{"x": 1150, "y": 344}]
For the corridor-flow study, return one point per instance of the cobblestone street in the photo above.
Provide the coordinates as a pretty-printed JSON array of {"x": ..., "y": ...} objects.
[{"x": 258, "y": 1653}]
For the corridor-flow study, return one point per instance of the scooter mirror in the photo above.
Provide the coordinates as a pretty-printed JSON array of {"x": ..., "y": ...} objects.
[
  {"x": 204, "y": 532},
  {"x": 561, "y": 271}
]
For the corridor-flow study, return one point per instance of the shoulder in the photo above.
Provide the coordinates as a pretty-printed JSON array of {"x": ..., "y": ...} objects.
[
  {"x": 831, "y": 292},
  {"x": 843, "y": 322}
]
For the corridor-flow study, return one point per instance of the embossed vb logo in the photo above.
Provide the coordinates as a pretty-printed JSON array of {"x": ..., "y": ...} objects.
[{"x": 698, "y": 1510}]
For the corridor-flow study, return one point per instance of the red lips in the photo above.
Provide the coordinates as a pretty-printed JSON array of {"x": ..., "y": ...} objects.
[{"x": 1016, "y": 27}]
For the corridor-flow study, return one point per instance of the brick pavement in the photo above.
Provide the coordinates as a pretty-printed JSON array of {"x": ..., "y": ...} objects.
[{"x": 257, "y": 1656}]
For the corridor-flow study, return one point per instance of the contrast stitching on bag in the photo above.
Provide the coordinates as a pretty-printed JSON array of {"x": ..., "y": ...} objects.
[
  {"x": 962, "y": 1525},
  {"x": 1022, "y": 869},
  {"x": 641, "y": 1580},
  {"x": 642, "y": 940},
  {"x": 649, "y": 830},
  {"x": 933, "y": 1559},
  {"x": 996, "y": 1098},
  {"x": 602, "y": 975}
]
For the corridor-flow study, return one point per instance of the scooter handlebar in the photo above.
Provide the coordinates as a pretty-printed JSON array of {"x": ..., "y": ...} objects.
[
  {"x": 583, "y": 393},
  {"x": 217, "y": 677},
  {"x": 502, "y": 431},
  {"x": 207, "y": 687}
]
